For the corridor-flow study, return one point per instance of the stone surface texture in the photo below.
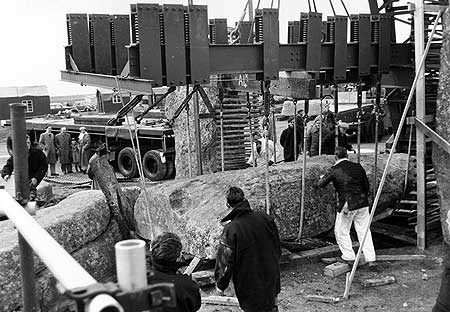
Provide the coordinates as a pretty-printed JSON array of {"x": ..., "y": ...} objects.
[
  {"x": 82, "y": 224},
  {"x": 441, "y": 159},
  {"x": 193, "y": 207},
  {"x": 208, "y": 130}
]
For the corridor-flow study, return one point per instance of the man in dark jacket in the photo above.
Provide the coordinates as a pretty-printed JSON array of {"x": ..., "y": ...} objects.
[
  {"x": 287, "y": 139},
  {"x": 37, "y": 166},
  {"x": 165, "y": 250},
  {"x": 249, "y": 253},
  {"x": 351, "y": 184}
]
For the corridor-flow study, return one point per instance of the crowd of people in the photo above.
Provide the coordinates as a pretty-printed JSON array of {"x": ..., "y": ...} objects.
[
  {"x": 73, "y": 153},
  {"x": 292, "y": 140}
]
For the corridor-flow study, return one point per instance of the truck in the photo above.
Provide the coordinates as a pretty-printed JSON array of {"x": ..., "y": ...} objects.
[{"x": 156, "y": 142}]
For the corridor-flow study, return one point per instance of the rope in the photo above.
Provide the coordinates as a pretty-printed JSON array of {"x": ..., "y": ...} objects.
[
  {"x": 138, "y": 157},
  {"x": 315, "y": 8},
  {"x": 309, "y": 5},
  {"x": 302, "y": 200},
  {"x": 253, "y": 23},
  {"x": 350, "y": 276},
  {"x": 332, "y": 7},
  {"x": 345, "y": 8}
]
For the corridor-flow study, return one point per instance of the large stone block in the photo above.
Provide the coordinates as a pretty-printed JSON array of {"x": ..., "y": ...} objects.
[
  {"x": 193, "y": 207},
  {"x": 83, "y": 226}
]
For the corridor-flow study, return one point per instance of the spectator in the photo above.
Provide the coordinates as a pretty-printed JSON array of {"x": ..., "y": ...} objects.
[
  {"x": 62, "y": 144},
  {"x": 75, "y": 151},
  {"x": 260, "y": 151},
  {"x": 85, "y": 149},
  {"x": 47, "y": 143},
  {"x": 287, "y": 140}
]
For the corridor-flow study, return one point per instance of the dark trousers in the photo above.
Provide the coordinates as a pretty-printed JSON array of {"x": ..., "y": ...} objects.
[
  {"x": 443, "y": 299},
  {"x": 65, "y": 168}
]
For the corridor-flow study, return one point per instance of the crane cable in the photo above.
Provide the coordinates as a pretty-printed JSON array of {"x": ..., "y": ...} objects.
[
  {"x": 345, "y": 8},
  {"x": 137, "y": 155},
  {"x": 332, "y": 7}
]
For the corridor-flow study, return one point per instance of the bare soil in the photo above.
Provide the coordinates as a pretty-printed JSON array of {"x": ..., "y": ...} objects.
[{"x": 416, "y": 287}]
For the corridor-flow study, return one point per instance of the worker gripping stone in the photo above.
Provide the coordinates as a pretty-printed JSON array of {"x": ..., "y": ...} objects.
[{"x": 351, "y": 184}]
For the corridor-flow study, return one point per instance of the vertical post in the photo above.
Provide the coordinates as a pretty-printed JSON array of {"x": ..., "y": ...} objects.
[
  {"x": 274, "y": 128},
  {"x": 320, "y": 121},
  {"x": 222, "y": 143},
  {"x": 22, "y": 185},
  {"x": 188, "y": 129},
  {"x": 419, "y": 28},
  {"x": 336, "y": 111},
  {"x": 302, "y": 200},
  {"x": 250, "y": 127},
  {"x": 198, "y": 141},
  {"x": 359, "y": 103},
  {"x": 377, "y": 118},
  {"x": 295, "y": 129},
  {"x": 266, "y": 133}
]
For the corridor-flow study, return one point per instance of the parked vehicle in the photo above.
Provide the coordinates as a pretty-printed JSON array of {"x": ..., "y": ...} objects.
[{"x": 157, "y": 143}]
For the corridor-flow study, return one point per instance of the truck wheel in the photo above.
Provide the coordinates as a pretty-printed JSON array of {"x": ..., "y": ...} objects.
[
  {"x": 154, "y": 168},
  {"x": 170, "y": 170},
  {"x": 126, "y": 162}
]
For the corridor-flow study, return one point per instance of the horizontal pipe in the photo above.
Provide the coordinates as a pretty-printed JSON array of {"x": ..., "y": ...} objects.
[{"x": 69, "y": 273}]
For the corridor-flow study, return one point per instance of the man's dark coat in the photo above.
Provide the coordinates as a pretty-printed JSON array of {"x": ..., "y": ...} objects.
[
  {"x": 351, "y": 184},
  {"x": 249, "y": 253},
  {"x": 287, "y": 141},
  {"x": 37, "y": 165},
  {"x": 187, "y": 291}
]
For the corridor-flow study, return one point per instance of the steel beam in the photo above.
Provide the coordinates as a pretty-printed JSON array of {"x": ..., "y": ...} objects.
[
  {"x": 422, "y": 127},
  {"x": 142, "y": 86}
]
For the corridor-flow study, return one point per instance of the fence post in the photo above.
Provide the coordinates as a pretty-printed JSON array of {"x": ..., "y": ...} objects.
[{"x": 20, "y": 156}]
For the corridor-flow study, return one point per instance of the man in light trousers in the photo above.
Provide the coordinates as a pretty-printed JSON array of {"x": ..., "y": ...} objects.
[{"x": 351, "y": 184}]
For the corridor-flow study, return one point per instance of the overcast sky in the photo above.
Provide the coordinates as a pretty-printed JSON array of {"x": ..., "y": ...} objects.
[{"x": 33, "y": 32}]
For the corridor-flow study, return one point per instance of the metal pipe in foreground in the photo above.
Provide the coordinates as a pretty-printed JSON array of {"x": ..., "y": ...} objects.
[
  {"x": 20, "y": 149},
  {"x": 66, "y": 270}
]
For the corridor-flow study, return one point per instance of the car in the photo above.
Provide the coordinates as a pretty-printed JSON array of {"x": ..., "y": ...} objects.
[{"x": 57, "y": 107}]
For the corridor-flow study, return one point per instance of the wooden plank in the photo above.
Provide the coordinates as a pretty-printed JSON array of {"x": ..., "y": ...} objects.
[
  {"x": 195, "y": 261},
  {"x": 221, "y": 300},
  {"x": 384, "y": 258},
  {"x": 336, "y": 269},
  {"x": 204, "y": 278},
  {"x": 392, "y": 231},
  {"x": 372, "y": 282},
  {"x": 386, "y": 213},
  {"x": 324, "y": 299}
]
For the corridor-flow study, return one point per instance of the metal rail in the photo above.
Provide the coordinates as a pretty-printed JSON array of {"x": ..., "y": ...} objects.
[{"x": 69, "y": 273}]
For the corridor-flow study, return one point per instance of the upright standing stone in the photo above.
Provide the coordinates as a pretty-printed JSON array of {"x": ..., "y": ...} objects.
[
  {"x": 208, "y": 133},
  {"x": 441, "y": 159}
]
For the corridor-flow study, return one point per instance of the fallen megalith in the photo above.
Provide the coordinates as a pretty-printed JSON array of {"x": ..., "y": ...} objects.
[
  {"x": 83, "y": 225},
  {"x": 193, "y": 207}
]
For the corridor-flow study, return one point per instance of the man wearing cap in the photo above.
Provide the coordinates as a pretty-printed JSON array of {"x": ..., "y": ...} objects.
[
  {"x": 287, "y": 139},
  {"x": 249, "y": 253},
  {"x": 164, "y": 253},
  {"x": 47, "y": 143}
]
